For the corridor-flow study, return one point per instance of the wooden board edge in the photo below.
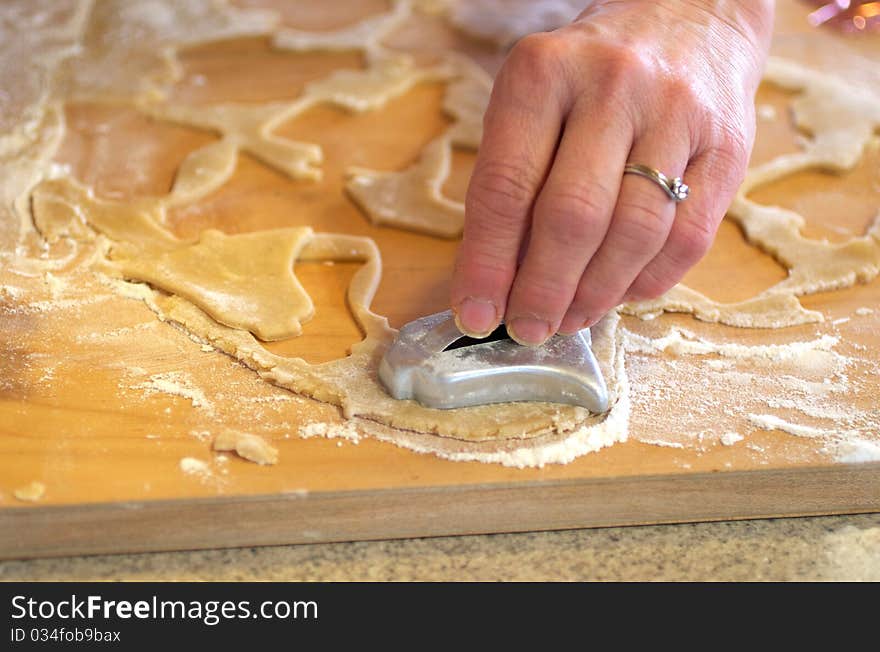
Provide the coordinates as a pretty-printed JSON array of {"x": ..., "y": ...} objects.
[{"x": 321, "y": 517}]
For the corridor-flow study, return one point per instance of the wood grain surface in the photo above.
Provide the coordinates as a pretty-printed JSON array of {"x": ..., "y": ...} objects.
[{"x": 109, "y": 454}]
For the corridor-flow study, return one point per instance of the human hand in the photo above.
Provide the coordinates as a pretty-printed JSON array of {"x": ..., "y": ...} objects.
[{"x": 555, "y": 234}]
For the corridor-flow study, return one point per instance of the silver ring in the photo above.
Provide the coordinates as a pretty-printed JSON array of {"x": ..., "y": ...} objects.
[{"x": 676, "y": 189}]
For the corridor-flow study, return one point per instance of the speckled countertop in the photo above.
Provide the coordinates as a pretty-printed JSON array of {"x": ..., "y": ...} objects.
[{"x": 826, "y": 548}]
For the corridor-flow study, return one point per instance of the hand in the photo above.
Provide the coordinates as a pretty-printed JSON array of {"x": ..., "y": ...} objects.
[{"x": 555, "y": 234}]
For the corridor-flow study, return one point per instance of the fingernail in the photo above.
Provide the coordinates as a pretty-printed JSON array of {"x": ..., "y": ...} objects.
[
  {"x": 476, "y": 317},
  {"x": 570, "y": 326},
  {"x": 567, "y": 329},
  {"x": 528, "y": 331}
]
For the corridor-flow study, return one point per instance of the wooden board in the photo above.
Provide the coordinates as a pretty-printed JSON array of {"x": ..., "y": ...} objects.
[{"x": 72, "y": 416}]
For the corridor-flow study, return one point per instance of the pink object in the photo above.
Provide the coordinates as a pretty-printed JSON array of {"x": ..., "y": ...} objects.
[{"x": 850, "y": 16}]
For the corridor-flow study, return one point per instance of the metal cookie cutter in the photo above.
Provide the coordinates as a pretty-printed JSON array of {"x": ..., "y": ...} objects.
[{"x": 420, "y": 364}]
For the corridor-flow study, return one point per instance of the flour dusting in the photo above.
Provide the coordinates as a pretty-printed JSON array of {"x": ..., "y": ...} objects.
[{"x": 175, "y": 383}]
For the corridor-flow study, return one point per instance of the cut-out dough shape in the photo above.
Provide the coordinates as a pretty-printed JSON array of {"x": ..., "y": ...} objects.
[
  {"x": 64, "y": 208},
  {"x": 245, "y": 280},
  {"x": 412, "y": 198},
  {"x": 249, "y": 128}
]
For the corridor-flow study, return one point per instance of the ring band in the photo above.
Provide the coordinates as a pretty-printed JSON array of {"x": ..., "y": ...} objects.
[{"x": 676, "y": 189}]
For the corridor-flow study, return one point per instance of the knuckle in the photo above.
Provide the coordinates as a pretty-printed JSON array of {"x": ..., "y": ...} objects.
[
  {"x": 594, "y": 297},
  {"x": 541, "y": 294},
  {"x": 681, "y": 106},
  {"x": 572, "y": 216},
  {"x": 500, "y": 192},
  {"x": 640, "y": 225},
  {"x": 484, "y": 265},
  {"x": 691, "y": 242},
  {"x": 538, "y": 57},
  {"x": 619, "y": 62},
  {"x": 728, "y": 148},
  {"x": 732, "y": 147},
  {"x": 651, "y": 285},
  {"x": 679, "y": 89},
  {"x": 620, "y": 70},
  {"x": 480, "y": 275}
]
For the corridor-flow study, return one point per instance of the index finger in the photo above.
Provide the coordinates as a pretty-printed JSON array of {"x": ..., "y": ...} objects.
[{"x": 520, "y": 133}]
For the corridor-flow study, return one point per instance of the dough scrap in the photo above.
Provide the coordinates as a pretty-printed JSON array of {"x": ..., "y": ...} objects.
[
  {"x": 250, "y": 447},
  {"x": 30, "y": 492},
  {"x": 78, "y": 50}
]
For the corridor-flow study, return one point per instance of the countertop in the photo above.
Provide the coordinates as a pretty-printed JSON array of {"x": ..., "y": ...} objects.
[{"x": 836, "y": 548}]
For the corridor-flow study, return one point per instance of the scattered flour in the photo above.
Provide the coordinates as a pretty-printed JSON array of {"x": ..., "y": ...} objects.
[
  {"x": 62, "y": 304},
  {"x": 56, "y": 285},
  {"x": 772, "y": 422},
  {"x": 856, "y": 451},
  {"x": 175, "y": 383},
  {"x": 863, "y": 312},
  {"x": 664, "y": 444},
  {"x": 730, "y": 438},
  {"x": 330, "y": 431},
  {"x": 814, "y": 391},
  {"x": 11, "y": 292},
  {"x": 680, "y": 341},
  {"x": 193, "y": 466},
  {"x": 123, "y": 331},
  {"x": 202, "y": 471}
]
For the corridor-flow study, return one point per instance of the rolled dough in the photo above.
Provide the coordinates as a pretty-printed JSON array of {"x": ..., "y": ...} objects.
[{"x": 233, "y": 290}]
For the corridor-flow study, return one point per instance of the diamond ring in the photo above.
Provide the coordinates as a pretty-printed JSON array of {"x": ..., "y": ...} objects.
[{"x": 676, "y": 189}]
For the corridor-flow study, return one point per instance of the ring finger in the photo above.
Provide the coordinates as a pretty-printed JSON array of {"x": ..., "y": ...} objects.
[{"x": 640, "y": 224}]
